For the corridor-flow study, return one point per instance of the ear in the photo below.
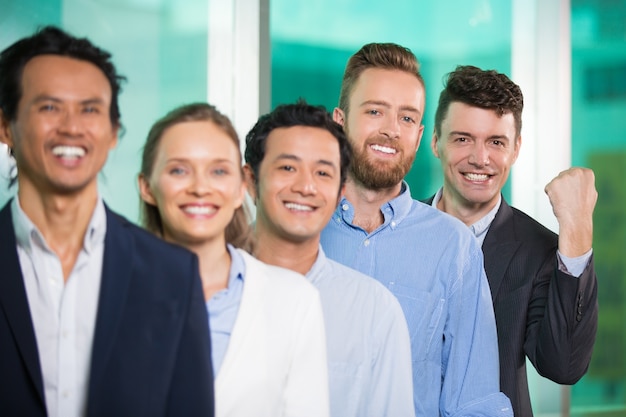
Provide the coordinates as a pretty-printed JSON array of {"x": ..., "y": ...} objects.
[
  {"x": 250, "y": 181},
  {"x": 433, "y": 145},
  {"x": 518, "y": 145},
  {"x": 342, "y": 192},
  {"x": 5, "y": 131},
  {"x": 420, "y": 133},
  {"x": 144, "y": 190},
  {"x": 339, "y": 116},
  {"x": 242, "y": 195}
]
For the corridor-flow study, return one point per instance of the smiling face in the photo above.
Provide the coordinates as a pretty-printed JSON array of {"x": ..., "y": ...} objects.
[
  {"x": 196, "y": 182},
  {"x": 477, "y": 149},
  {"x": 298, "y": 185},
  {"x": 383, "y": 126},
  {"x": 62, "y": 132}
]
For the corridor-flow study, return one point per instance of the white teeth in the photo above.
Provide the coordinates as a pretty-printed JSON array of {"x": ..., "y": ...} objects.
[
  {"x": 383, "y": 149},
  {"x": 299, "y": 207},
  {"x": 476, "y": 177},
  {"x": 199, "y": 210},
  {"x": 68, "y": 151}
]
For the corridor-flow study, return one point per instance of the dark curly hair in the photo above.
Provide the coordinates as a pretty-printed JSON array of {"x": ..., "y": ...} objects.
[
  {"x": 289, "y": 115},
  {"x": 487, "y": 89}
]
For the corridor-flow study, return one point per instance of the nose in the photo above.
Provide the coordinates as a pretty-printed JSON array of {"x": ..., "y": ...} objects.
[
  {"x": 305, "y": 184},
  {"x": 200, "y": 185},
  {"x": 390, "y": 127},
  {"x": 479, "y": 156},
  {"x": 71, "y": 123}
]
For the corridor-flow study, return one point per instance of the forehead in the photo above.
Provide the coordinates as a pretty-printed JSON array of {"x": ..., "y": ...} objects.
[
  {"x": 305, "y": 142},
  {"x": 64, "y": 78},
  {"x": 465, "y": 118},
  {"x": 197, "y": 140},
  {"x": 396, "y": 87}
]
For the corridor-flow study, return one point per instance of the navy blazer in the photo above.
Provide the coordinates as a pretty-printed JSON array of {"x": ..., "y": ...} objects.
[
  {"x": 151, "y": 349},
  {"x": 541, "y": 312}
]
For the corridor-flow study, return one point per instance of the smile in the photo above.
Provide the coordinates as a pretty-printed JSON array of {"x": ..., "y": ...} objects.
[
  {"x": 65, "y": 151},
  {"x": 383, "y": 149},
  {"x": 298, "y": 207},
  {"x": 476, "y": 177},
  {"x": 199, "y": 210}
]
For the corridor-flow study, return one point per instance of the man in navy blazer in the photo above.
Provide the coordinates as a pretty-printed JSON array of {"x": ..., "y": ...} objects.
[
  {"x": 543, "y": 286},
  {"x": 97, "y": 317}
]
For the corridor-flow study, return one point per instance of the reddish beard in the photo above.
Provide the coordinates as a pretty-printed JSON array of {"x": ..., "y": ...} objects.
[{"x": 379, "y": 174}]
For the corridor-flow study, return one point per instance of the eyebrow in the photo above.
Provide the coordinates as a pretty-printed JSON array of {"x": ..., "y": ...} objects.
[
  {"x": 45, "y": 97},
  {"x": 461, "y": 133},
  {"x": 295, "y": 158},
  {"x": 387, "y": 105}
]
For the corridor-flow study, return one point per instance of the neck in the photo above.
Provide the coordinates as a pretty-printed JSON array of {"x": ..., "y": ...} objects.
[
  {"x": 273, "y": 250},
  {"x": 61, "y": 219},
  {"x": 468, "y": 213},
  {"x": 367, "y": 203},
  {"x": 214, "y": 263}
]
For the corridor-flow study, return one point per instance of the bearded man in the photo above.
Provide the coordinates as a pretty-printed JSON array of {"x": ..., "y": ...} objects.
[{"x": 430, "y": 261}]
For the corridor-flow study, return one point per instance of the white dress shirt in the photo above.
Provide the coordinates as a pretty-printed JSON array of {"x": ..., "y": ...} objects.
[{"x": 63, "y": 313}]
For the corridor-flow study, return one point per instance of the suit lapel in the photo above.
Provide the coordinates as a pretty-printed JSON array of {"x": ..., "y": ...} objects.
[
  {"x": 14, "y": 302},
  {"x": 499, "y": 247},
  {"x": 116, "y": 276}
]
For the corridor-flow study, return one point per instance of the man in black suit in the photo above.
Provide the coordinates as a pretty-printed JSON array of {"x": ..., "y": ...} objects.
[
  {"x": 97, "y": 317},
  {"x": 543, "y": 286}
]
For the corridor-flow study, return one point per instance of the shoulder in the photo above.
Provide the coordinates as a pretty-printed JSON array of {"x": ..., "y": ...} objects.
[
  {"x": 529, "y": 228},
  {"x": 148, "y": 247},
  {"x": 359, "y": 288},
  {"x": 280, "y": 279}
]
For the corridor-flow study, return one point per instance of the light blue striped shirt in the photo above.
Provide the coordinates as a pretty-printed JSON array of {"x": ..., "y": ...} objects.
[
  {"x": 432, "y": 263},
  {"x": 223, "y": 308}
]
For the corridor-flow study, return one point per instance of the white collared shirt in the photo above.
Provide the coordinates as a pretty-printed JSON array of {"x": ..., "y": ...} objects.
[{"x": 63, "y": 313}]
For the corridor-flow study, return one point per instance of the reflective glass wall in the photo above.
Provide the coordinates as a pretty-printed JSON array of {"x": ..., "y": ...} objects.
[
  {"x": 599, "y": 142},
  {"x": 159, "y": 45},
  {"x": 311, "y": 43}
]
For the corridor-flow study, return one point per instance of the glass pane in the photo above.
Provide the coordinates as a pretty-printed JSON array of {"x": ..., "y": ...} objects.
[
  {"x": 598, "y": 141},
  {"x": 159, "y": 45},
  {"x": 312, "y": 41}
]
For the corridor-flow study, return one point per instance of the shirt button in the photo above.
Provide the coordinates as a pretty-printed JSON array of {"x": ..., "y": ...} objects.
[
  {"x": 393, "y": 224},
  {"x": 367, "y": 242},
  {"x": 345, "y": 207},
  {"x": 66, "y": 393}
]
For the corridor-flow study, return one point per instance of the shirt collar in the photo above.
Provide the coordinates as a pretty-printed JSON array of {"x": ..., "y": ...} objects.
[
  {"x": 237, "y": 265},
  {"x": 482, "y": 225},
  {"x": 27, "y": 234},
  {"x": 394, "y": 210},
  {"x": 316, "y": 270}
]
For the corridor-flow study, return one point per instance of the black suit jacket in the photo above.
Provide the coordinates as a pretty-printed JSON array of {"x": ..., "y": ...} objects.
[
  {"x": 541, "y": 312},
  {"x": 151, "y": 348}
]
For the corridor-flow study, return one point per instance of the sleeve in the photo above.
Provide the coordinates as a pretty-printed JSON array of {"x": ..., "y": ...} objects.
[
  {"x": 562, "y": 322},
  {"x": 391, "y": 389},
  {"x": 306, "y": 390},
  {"x": 470, "y": 365},
  {"x": 191, "y": 390}
]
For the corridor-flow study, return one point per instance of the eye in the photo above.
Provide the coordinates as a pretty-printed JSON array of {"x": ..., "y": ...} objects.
[
  {"x": 373, "y": 112},
  {"x": 91, "y": 109},
  {"x": 323, "y": 173},
  {"x": 287, "y": 168},
  {"x": 48, "y": 107},
  {"x": 408, "y": 119},
  {"x": 220, "y": 171},
  {"x": 177, "y": 171},
  {"x": 497, "y": 142}
]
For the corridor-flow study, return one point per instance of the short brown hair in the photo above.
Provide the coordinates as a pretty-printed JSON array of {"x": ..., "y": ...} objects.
[
  {"x": 376, "y": 55},
  {"x": 486, "y": 89},
  {"x": 238, "y": 232}
]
